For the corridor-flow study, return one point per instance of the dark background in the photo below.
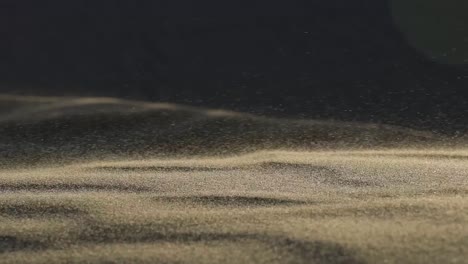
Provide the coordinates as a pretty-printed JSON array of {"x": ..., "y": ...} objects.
[{"x": 369, "y": 60}]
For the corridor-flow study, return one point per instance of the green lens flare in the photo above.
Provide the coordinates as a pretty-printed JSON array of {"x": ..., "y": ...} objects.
[{"x": 437, "y": 28}]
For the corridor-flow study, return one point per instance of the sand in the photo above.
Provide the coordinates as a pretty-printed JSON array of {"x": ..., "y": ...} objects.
[{"x": 354, "y": 195}]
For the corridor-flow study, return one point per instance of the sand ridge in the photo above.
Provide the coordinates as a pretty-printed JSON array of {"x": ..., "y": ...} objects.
[{"x": 43, "y": 129}]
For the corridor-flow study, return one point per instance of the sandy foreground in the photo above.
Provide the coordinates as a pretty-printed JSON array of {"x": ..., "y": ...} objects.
[
  {"x": 103, "y": 180},
  {"x": 383, "y": 206}
]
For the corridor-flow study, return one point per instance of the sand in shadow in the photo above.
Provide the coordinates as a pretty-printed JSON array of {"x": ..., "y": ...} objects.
[
  {"x": 12, "y": 244},
  {"x": 236, "y": 201},
  {"x": 70, "y": 187},
  {"x": 298, "y": 251},
  {"x": 413, "y": 155},
  {"x": 301, "y": 251},
  {"x": 267, "y": 166},
  {"x": 163, "y": 169},
  {"x": 338, "y": 180},
  {"x": 39, "y": 210}
]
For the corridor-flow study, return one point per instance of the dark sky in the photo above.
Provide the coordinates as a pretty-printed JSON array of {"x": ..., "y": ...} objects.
[{"x": 394, "y": 61}]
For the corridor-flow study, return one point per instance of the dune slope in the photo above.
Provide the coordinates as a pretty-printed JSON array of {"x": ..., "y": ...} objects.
[
  {"x": 42, "y": 129},
  {"x": 132, "y": 182}
]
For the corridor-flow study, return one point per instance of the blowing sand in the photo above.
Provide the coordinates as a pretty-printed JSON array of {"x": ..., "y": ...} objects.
[{"x": 284, "y": 204}]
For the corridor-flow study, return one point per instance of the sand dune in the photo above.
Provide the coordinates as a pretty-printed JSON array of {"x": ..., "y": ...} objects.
[
  {"x": 119, "y": 182},
  {"x": 46, "y": 128}
]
